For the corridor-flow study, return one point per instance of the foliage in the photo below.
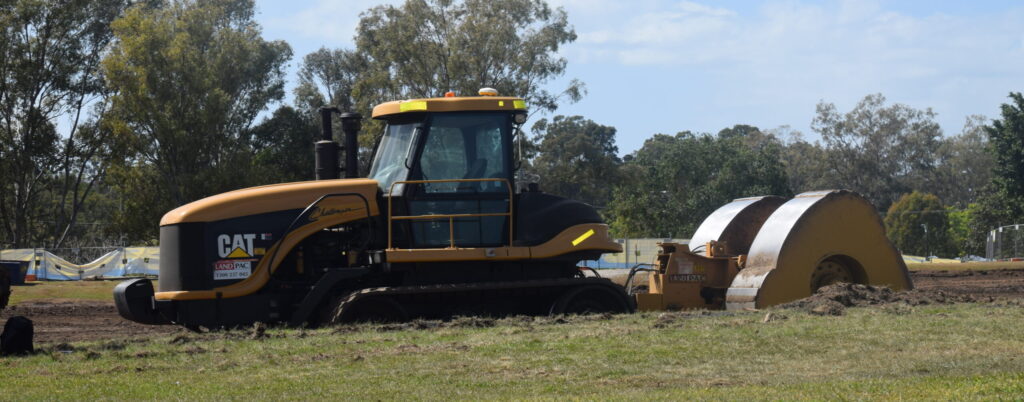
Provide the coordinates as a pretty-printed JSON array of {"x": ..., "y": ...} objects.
[
  {"x": 964, "y": 166},
  {"x": 877, "y": 150},
  {"x": 426, "y": 47},
  {"x": 327, "y": 77},
  {"x": 51, "y": 52},
  {"x": 577, "y": 158},
  {"x": 1002, "y": 201},
  {"x": 189, "y": 79},
  {"x": 960, "y": 231},
  {"x": 917, "y": 224},
  {"x": 673, "y": 182},
  {"x": 282, "y": 145}
]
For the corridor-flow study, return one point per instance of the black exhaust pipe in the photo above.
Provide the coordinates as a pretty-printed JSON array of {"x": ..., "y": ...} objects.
[
  {"x": 351, "y": 123},
  {"x": 326, "y": 150}
]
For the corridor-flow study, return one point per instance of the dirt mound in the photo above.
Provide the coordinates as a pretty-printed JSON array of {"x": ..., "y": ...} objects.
[{"x": 834, "y": 299}]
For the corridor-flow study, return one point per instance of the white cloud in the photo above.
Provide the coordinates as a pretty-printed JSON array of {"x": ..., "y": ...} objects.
[{"x": 331, "y": 23}]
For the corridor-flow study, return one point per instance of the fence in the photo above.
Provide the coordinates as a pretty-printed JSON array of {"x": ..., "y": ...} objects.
[
  {"x": 1005, "y": 242},
  {"x": 634, "y": 251},
  {"x": 113, "y": 262},
  {"x": 63, "y": 264}
]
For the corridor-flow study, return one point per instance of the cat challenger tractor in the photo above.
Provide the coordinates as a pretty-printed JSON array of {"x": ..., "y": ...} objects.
[{"x": 440, "y": 228}]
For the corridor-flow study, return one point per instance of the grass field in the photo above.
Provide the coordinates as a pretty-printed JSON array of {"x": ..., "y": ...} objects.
[
  {"x": 938, "y": 352},
  {"x": 88, "y": 290}
]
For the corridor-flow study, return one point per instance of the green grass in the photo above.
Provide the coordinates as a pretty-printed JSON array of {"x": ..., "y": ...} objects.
[
  {"x": 88, "y": 290},
  {"x": 937, "y": 352}
]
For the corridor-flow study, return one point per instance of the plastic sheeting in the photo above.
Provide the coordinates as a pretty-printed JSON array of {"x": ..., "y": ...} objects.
[
  {"x": 117, "y": 263},
  {"x": 634, "y": 251}
]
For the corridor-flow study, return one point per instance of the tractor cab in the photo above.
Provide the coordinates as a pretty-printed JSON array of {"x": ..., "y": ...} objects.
[{"x": 446, "y": 169}]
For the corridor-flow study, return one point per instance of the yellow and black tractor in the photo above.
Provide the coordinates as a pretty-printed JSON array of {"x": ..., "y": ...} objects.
[
  {"x": 437, "y": 228},
  {"x": 441, "y": 228}
]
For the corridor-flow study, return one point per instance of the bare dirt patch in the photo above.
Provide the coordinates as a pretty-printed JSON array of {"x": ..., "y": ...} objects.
[
  {"x": 70, "y": 320},
  {"x": 1000, "y": 283}
]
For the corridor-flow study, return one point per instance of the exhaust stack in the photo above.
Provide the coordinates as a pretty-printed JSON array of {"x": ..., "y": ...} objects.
[{"x": 326, "y": 150}]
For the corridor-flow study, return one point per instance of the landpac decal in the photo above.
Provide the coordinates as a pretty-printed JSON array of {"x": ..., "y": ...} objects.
[{"x": 232, "y": 269}]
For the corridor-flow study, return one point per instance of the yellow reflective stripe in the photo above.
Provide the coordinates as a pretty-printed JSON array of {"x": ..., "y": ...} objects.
[
  {"x": 583, "y": 237},
  {"x": 519, "y": 104},
  {"x": 414, "y": 105}
]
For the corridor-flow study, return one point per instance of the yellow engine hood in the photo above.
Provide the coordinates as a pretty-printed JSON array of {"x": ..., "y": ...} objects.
[{"x": 271, "y": 198}]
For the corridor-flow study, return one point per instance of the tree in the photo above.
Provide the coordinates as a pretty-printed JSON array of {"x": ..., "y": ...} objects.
[
  {"x": 53, "y": 150},
  {"x": 189, "y": 80},
  {"x": 877, "y": 150},
  {"x": 426, "y": 47},
  {"x": 965, "y": 164},
  {"x": 577, "y": 158},
  {"x": 806, "y": 163},
  {"x": 918, "y": 224},
  {"x": 283, "y": 145},
  {"x": 673, "y": 182},
  {"x": 327, "y": 77},
  {"x": 1002, "y": 201},
  {"x": 960, "y": 230}
]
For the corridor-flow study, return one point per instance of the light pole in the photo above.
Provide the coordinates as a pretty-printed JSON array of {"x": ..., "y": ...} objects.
[{"x": 927, "y": 252}]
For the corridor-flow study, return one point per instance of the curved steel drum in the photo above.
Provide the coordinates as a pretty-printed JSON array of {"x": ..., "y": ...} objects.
[
  {"x": 812, "y": 240},
  {"x": 735, "y": 223}
]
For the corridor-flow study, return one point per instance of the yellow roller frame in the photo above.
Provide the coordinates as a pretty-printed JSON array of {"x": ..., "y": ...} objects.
[{"x": 814, "y": 239}]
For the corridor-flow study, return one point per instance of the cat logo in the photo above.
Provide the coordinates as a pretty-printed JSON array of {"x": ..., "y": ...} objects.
[{"x": 235, "y": 246}]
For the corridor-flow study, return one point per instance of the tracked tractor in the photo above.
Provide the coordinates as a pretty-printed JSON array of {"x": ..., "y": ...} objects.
[{"x": 440, "y": 227}]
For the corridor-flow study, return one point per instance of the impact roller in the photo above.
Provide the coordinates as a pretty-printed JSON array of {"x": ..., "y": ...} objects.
[{"x": 770, "y": 251}]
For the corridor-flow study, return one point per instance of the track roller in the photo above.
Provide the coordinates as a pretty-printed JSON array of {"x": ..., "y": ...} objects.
[{"x": 815, "y": 239}]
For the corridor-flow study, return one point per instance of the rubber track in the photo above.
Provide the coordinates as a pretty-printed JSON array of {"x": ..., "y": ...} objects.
[{"x": 462, "y": 287}]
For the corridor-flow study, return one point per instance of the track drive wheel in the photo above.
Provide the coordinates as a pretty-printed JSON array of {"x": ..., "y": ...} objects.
[{"x": 591, "y": 299}]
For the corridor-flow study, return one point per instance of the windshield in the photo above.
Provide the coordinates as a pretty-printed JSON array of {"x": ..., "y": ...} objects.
[{"x": 389, "y": 163}]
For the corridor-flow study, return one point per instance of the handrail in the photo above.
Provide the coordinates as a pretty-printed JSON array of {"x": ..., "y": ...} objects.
[{"x": 451, "y": 217}]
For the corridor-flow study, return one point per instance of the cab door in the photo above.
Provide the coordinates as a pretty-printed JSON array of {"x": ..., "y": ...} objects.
[{"x": 458, "y": 147}]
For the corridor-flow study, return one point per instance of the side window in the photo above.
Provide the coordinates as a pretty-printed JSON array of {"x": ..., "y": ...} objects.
[
  {"x": 488, "y": 149},
  {"x": 444, "y": 157}
]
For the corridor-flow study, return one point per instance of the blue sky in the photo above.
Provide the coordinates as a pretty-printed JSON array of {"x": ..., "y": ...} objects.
[{"x": 654, "y": 66}]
